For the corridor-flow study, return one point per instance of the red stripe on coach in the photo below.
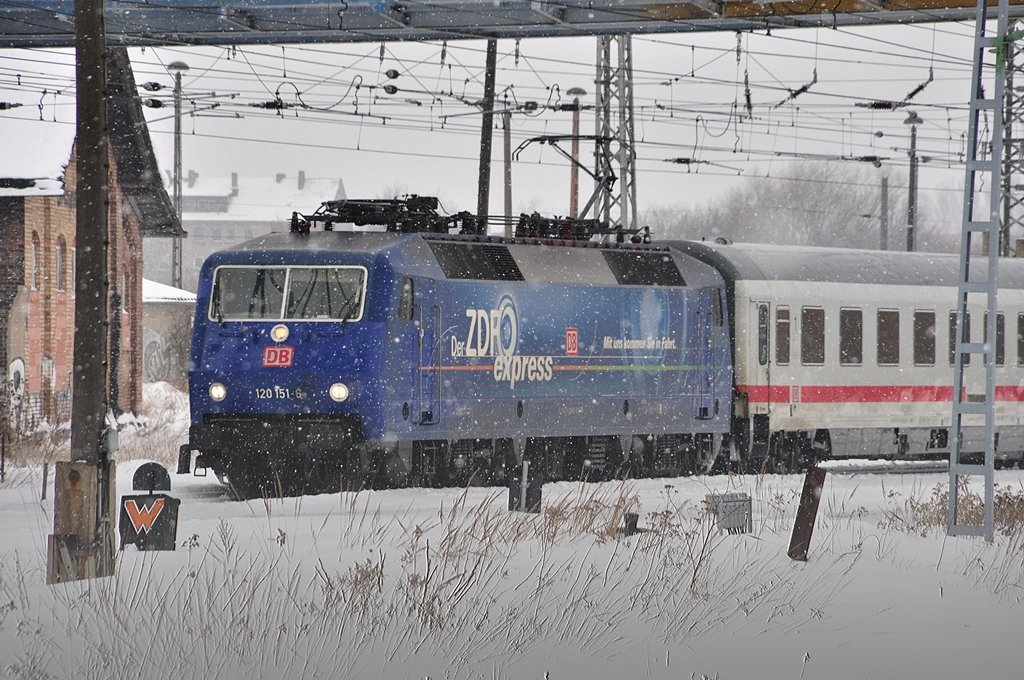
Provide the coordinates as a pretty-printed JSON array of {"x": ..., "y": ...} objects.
[{"x": 878, "y": 394}]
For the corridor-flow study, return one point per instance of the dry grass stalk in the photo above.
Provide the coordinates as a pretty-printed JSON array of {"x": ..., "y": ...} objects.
[{"x": 921, "y": 515}]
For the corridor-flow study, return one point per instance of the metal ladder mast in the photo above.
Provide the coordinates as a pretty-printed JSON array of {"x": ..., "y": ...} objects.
[
  {"x": 1013, "y": 149},
  {"x": 984, "y": 162},
  {"x": 616, "y": 202}
]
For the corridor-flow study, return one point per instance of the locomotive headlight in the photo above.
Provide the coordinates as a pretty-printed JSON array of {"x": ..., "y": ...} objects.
[
  {"x": 279, "y": 333},
  {"x": 218, "y": 392},
  {"x": 338, "y": 391}
]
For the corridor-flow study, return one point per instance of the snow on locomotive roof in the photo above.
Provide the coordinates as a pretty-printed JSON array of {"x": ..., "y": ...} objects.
[{"x": 759, "y": 261}]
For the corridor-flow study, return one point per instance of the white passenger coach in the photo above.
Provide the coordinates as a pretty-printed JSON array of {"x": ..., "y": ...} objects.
[{"x": 842, "y": 353}]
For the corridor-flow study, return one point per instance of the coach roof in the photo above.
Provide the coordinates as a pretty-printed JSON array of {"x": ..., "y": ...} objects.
[{"x": 758, "y": 261}]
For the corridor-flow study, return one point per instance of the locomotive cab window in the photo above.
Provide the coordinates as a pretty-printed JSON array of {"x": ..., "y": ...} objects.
[
  {"x": 247, "y": 293},
  {"x": 288, "y": 293},
  {"x": 325, "y": 293},
  {"x": 812, "y": 335}
]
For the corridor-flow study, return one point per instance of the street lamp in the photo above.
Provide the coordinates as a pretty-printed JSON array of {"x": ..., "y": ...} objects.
[
  {"x": 574, "y": 173},
  {"x": 913, "y": 120},
  {"x": 177, "y": 67}
]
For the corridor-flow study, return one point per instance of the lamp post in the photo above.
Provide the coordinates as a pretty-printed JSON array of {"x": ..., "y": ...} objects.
[
  {"x": 574, "y": 172},
  {"x": 178, "y": 67},
  {"x": 913, "y": 120}
]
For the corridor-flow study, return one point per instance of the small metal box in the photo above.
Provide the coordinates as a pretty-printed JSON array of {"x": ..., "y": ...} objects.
[{"x": 732, "y": 512}]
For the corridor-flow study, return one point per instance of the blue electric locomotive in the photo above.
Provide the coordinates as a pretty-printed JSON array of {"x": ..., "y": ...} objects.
[{"x": 412, "y": 357}]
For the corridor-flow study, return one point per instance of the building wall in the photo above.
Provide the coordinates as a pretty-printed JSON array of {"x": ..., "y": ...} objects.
[
  {"x": 41, "y": 321},
  {"x": 12, "y": 263},
  {"x": 168, "y": 329}
]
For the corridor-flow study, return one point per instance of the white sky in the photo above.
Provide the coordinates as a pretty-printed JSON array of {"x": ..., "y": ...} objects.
[{"x": 689, "y": 103}]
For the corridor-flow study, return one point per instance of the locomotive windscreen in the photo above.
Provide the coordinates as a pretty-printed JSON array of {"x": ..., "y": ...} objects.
[{"x": 288, "y": 293}]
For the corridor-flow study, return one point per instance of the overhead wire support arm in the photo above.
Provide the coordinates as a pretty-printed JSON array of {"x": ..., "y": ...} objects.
[{"x": 793, "y": 94}]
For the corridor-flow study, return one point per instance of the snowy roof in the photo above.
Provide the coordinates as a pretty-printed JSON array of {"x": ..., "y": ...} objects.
[
  {"x": 152, "y": 291},
  {"x": 34, "y": 157},
  {"x": 259, "y": 199}
]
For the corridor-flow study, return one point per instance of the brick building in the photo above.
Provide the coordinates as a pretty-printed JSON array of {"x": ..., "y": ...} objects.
[{"x": 37, "y": 258}]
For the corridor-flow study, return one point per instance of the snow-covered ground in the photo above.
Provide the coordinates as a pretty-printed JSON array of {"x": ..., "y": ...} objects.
[{"x": 420, "y": 583}]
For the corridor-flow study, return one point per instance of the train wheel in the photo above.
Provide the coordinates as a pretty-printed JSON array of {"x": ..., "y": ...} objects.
[
  {"x": 299, "y": 474},
  {"x": 503, "y": 462},
  {"x": 253, "y": 480},
  {"x": 636, "y": 463},
  {"x": 389, "y": 471},
  {"x": 613, "y": 462},
  {"x": 781, "y": 458}
]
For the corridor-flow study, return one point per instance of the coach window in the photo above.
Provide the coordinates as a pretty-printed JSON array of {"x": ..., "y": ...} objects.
[
  {"x": 812, "y": 335},
  {"x": 851, "y": 336},
  {"x": 1020, "y": 339},
  {"x": 1000, "y": 338},
  {"x": 952, "y": 337},
  {"x": 762, "y": 334},
  {"x": 924, "y": 338},
  {"x": 405, "y": 298},
  {"x": 782, "y": 335},
  {"x": 888, "y": 337}
]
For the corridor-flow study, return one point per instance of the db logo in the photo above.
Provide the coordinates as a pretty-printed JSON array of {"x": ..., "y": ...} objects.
[
  {"x": 278, "y": 356},
  {"x": 572, "y": 342}
]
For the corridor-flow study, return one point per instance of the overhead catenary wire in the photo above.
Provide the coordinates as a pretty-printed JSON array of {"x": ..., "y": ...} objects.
[{"x": 825, "y": 120}]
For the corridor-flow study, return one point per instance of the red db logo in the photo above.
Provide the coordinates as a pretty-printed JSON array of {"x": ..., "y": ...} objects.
[
  {"x": 572, "y": 342},
  {"x": 278, "y": 356}
]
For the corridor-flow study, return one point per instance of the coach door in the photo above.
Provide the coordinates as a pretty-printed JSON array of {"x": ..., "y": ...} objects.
[
  {"x": 429, "y": 316},
  {"x": 758, "y": 364}
]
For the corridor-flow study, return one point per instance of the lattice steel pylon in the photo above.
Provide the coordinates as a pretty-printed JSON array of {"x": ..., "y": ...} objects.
[
  {"x": 1013, "y": 149},
  {"x": 615, "y": 151},
  {"x": 973, "y": 408}
]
